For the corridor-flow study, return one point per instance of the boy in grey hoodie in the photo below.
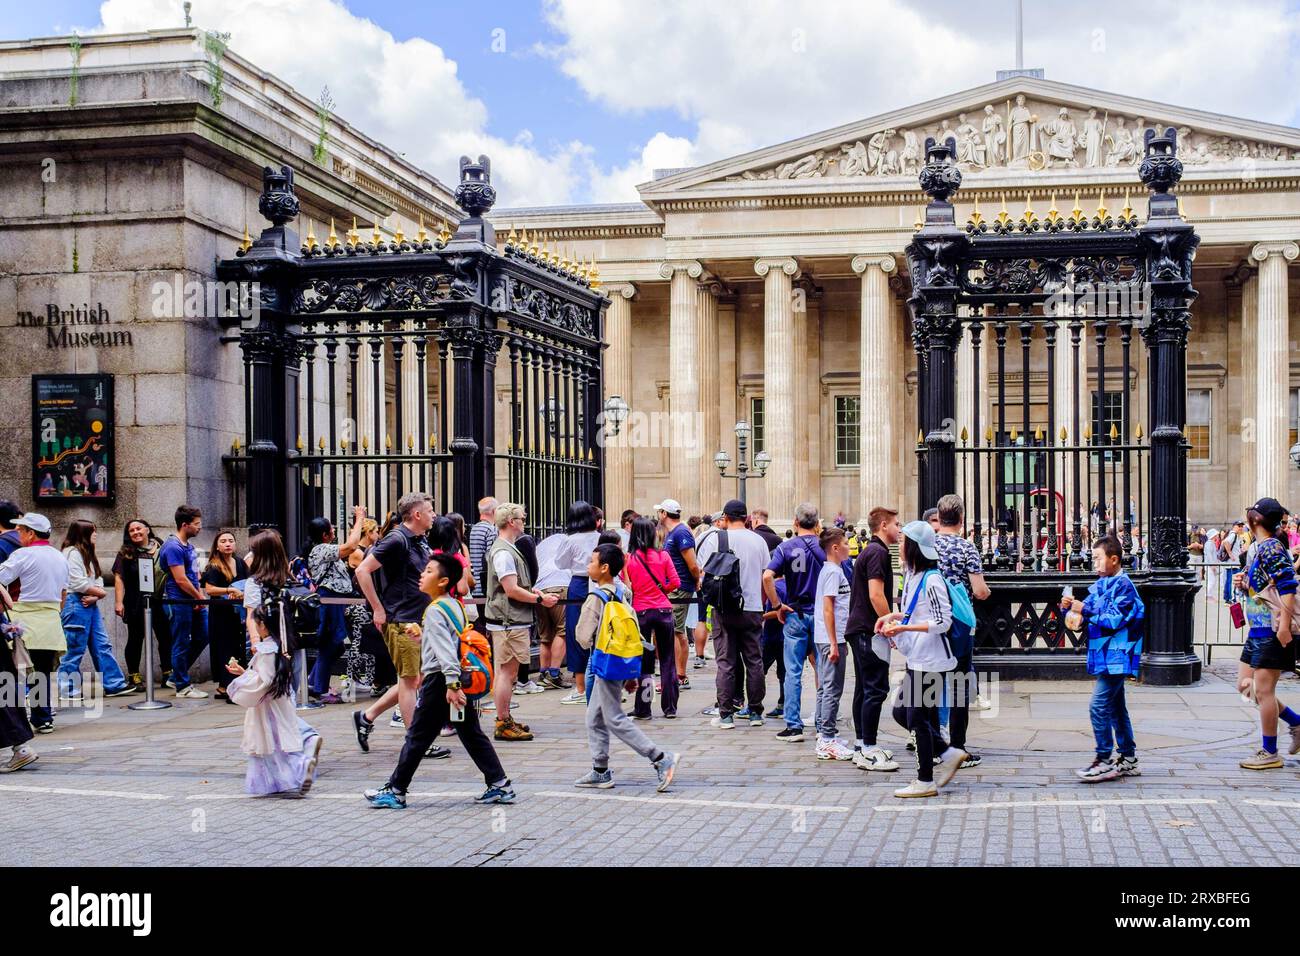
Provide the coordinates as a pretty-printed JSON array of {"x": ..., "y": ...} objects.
[{"x": 441, "y": 694}]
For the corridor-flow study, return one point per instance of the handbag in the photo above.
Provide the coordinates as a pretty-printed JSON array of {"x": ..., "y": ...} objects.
[{"x": 1237, "y": 614}]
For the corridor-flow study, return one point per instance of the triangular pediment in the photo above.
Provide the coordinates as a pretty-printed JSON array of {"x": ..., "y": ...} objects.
[{"x": 1019, "y": 126}]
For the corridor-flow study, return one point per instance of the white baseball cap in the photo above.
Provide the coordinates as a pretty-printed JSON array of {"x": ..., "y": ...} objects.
[
  {"x": 38, "y": 523},
  {"x": 669, "y": 506}
]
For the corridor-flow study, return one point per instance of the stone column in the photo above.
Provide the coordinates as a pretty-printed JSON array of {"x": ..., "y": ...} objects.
[
  {"x": 779, "y": 363},
  {"x": 684, "y": 379},
  {"x": 880, "y": 370},
  {"x": 710, "y": 482},
  {"x": 620, "y": 491},
  {"x": 1271, "y": 368},
  {"x": 807, "y": 394},
  {"x": 1249, "y": 323}
]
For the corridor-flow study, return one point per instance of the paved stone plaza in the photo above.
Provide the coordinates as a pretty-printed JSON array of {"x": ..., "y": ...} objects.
[{"x": 166, "y": 788}]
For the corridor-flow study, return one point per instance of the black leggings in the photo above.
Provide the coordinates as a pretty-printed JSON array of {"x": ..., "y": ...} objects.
[
  {"x": 870, "y": 689},
  {"x": 917, "y": 709}
]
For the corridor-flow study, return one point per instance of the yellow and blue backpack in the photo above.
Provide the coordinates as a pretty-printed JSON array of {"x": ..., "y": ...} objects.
[{"x": 617, "y": 651}]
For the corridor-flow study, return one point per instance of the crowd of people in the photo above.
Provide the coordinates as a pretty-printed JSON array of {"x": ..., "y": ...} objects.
[{"x": 438, "y": 621}]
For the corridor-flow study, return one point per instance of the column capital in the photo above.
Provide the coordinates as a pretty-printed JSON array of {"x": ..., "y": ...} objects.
[
  {"x": 690, "y": 266},
  {"x": 885, "y": 263},
  {"x": 785, "y": 263},
  {"x": 1279, "y": 247},
  {"x": 625, "y": 289}
]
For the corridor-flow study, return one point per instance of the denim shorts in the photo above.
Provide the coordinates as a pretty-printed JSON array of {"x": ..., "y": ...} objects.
[{"x": 1267, "y": 653}]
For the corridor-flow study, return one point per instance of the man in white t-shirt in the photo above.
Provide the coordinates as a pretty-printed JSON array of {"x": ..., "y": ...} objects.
[
  {"x": 736, "y": 634},
  {"x": 830, "y": 620}
]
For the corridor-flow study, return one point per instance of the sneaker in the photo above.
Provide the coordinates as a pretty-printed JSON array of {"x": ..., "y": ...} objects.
[
  {"x": 790, "y": 735},
  {"x": 24, "y": 756},
  {"x": 917, "y": 788},
  {"x": 190, "y": 692},
  {"x": 699, "y": 663},
  {"x": 168, "y": 682},
  {"x": 396, "y": 719},
  {"x": 1294, "y": 747},
  {"x": 947, "y": 767},
  {"x": 755, "y": 718},
  {"x": 874, "y": 759},
  {"x": 710, "y": 711},
  {"x": 776, "y": 712},
  {"x": 577, "y": 697},
  {"x": 378, "y": 692},
  {"x": 911, "y": 742},
  {"x": 437, "y": 753},
  {"x": 507, "y": 729},
  {"x": 313, "y": 758},
  {"x": 1099, "y": 771},
  {"x": 708, "y": 653},
  {"x": 386, "y": 798},
  {"x": 1263, "y": 760},
  {"x": 723, "y": 723},
  {"x": 123, "y": 691},
  {"x": 551, "y": 682},
  {"x": 684, "y": 683},
  {"x": 502, "y": 794},
  {"x": 635, "y": 716},
  {"x": 981, "y": 703},
  {"x": 595, "y": 780},
  {"x": 1128, "y": 767},
  {"x": 45, "y": 728},
  {"x": 532, "y": 687},
  {"x": 666, "y": 769},
  {"x": 331, "y": 698},
  {"x": 972, "y": 760},
  {"x": 833, "y": 750},
  {"x": 137, "y": 682},
  {"x": 363, "y": 728}
]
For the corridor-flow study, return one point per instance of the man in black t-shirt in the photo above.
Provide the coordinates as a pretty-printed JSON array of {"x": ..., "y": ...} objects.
[
  {"x": 872, "y": 597},
  {"x": 402, "y": 555}
]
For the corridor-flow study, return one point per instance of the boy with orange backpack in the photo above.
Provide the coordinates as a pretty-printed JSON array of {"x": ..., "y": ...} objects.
[
  {"x": 457, "y": 673},
  {"x": 608, "y": 628}
]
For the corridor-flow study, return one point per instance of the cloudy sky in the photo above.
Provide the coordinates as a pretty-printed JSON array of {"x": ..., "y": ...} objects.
[{"x": 578, "y": 100}]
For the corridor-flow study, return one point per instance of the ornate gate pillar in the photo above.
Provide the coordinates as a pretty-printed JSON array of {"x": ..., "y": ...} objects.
[
  {"x": 1168, "y": 243},
  {"x": 933, "y": 257}
]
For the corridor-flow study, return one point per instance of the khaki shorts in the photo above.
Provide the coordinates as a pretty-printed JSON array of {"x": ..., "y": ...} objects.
[
  {"x": 550, "y": 620},
  {"x": 680, "y": 610},
  {"x": 510, "y": 646},
  {"x": 404, "y": 651}
]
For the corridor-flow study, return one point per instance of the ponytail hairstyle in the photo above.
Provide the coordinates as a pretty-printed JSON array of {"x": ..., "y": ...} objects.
[{"x": 282, "y": 681}]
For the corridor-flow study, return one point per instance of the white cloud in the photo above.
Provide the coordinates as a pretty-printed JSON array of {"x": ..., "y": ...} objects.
[
  {"x": 753, "y": 74},
  {"x": 406, "y": 94}
]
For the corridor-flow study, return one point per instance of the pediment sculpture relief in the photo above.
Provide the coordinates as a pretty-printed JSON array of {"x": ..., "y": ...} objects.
[{"x": 1017, "y": 135}]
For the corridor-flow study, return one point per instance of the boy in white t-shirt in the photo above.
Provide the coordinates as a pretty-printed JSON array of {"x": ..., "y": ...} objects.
[{"x": 830, "y": 619}]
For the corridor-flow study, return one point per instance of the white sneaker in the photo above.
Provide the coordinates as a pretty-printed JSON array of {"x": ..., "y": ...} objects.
[
  {"x": 833, "y": 750},
  {"x": 577, "y": 697},
  {"x": 981, "y": 703},
  {"x": 396, "y": 720},
  {"x": 192, "y": 693},
  {"x": 917, "y": 788},
  {"x": 532, "y": 687},
  {"x": 874, "y": 759},
  {"x": 946, "y": 768}
]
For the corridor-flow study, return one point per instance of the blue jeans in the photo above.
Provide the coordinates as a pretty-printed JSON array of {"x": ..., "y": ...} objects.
[
  {"x": 333, "y": 632},
  {"x": 798, "y": 632},
  {"x": 84, "y": 630},
  {"x": 1110, "y": 723},
  {"x": 189, "y": 626}
]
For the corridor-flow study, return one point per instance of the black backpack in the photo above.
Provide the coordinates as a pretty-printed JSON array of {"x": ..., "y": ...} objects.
[
  {"x": 302, "y": 611},
  {"x": 721, "y": 585}
]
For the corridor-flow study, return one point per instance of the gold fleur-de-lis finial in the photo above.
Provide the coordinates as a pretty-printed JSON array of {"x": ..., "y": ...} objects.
[
  {"x": 532, "y": 245},
  {"x": 354, "y": 237},
  {"x": 1029, "y": 214},
  {"x": 1101, "y": 204},
  {"x": 975, "y": 218},
  {"x": 375, "y": 236},
  {"x": 332, "y": 239},
  {"x": 444, "y": 234},
  {"x": 1077, "y": 212},
  {"x": 1127, "y": 211},
  {"x": 1004, "y": 217},
  {"x": 311, "y": 234},
  {"x": 595, "y": 275},
  {"x": 512, "y": 240},
  {"x": 1053, "y": 214}
]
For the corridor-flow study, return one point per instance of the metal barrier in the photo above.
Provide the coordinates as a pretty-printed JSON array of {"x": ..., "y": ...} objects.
[{"x": 1212, "y": 621}]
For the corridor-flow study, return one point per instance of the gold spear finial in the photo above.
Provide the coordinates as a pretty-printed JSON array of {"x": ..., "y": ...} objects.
[
  {"x": 375, "y": 237},
  {"x": 920, "y": 437},
  {"x": 444, "y": 234},
  {"x": 433, "y": 440},
  {"x": 410, "y": 442},
  {"x": 1087, "y": 433},
  {"x": 311, "y": 235},
  {"x": 564, "y": 263},
  {"x": 354, "y": 237},
  {"x": 298, "y": 444},
  {"x": 365, "y": 443},
  {"x": 1029, "y": 214},
  {"x": 532, "y": 245},
  {"x": 321, "y": 444},
  {"x": 975, "y": 218},
  {"x": 1101, "y": 204},
  {"x": 332, "y": 239},
  {"x": 1181, "y": 214},
  {"x": 1077, "y": 212},
  {"x": 1004, "y": 217},
  {"x": 388, "y": 442},
  {"x": 1053, "y": 214},
  {"x": 595, "y": 275},
  {"x": 965, "y": 435},
  {"x": 1127, "y": 211},
  {"x": 234, "y": 446},
  {"x": 919, "y": 220},
  {"x": 1139, "y": 431},
  {"x": 1014, "y": 434},
  {"x": 397, "y": 236},
  {"x": 1064, "y": 435},
  {"x": 988, "y": 434},
  {"x": 1114, "y": 431},
  {"x": 343, "y": 445},
  {"x": 423, "y": 233},
  {"x": 512, "y": 240},
  {"x": 248, "y": 241}
]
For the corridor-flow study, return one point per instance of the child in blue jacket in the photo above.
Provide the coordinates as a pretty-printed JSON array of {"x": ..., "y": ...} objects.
[{"x": 1113, "y": 614}]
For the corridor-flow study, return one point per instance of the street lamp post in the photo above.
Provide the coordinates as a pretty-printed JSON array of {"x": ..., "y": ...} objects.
[{"x": 722, "y": 460}]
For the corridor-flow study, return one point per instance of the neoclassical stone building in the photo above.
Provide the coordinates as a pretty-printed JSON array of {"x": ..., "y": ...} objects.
[{"x": 769, "y": 287}]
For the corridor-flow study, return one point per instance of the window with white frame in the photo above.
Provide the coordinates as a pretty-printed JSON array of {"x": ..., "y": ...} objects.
[
  {"x": 848, "y": 430},
  {"x": 1199, "y": 409}
]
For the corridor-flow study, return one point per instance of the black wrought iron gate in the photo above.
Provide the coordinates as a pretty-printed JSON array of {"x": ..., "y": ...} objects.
[
  {"x": 1063, "y": 300},
  {"x": 372, "y": 368}
]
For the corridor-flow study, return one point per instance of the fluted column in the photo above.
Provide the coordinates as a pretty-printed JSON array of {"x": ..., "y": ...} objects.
[
  {"x": 779, "y": 360},
  {"x": 686, "y": 446},
  {"x": 1271, "y": 368},
  {"x": 620, "y": 491},
  {"x": 710, "y": 482},
  {"x": 1246, "y": 493},
  {"x": 880, "y": 371},
  {"x": 807, "y": 392}
]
